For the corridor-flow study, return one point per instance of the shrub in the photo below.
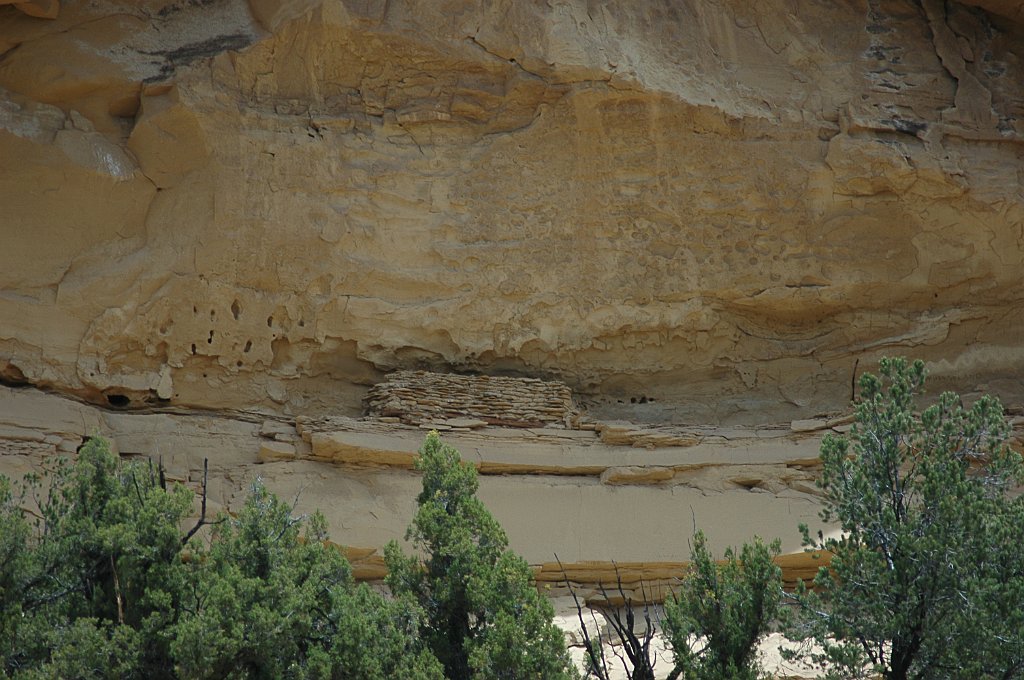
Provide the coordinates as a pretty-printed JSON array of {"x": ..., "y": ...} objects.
[
  {"x": 926, "y": 578},
  {"x": 106, "y": 585},
  {"x": 484, "y": 617},
  {"x": 715, "y": 621}
]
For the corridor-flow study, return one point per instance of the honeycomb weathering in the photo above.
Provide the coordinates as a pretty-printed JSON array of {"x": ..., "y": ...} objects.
[
  {"x": 461, "y": 401},
  {"x": 688, "y": 212},
  {"x": 223, "y": 222}
]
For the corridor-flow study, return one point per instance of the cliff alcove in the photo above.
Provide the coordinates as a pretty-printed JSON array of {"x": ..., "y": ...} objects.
[{"x": 223, "y": 223}]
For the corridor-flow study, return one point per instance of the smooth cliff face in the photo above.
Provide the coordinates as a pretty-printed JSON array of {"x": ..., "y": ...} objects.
[{"x": 688, "y": 211}]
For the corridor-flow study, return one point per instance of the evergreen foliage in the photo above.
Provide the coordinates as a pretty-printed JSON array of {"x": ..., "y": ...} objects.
[
  {"x": 103, "y": 584},
  {"x": 712, "y": 624},
  {"x": 484, "y": 617},
  {"x": 98, "y": 580},
  {"x": 926, "y": 579},
  {"x": 97, "y": 571},
  {"x": 721, "y": 611},
  {"x": 271, "y": 599}
]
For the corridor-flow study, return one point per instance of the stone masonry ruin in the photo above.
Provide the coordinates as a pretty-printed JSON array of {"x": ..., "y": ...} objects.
[{"x": 466, "y": 401}]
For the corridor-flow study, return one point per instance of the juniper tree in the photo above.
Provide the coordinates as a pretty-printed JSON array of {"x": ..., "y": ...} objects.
[
  {"x": 98, "y": 570},
  {"x": 272, "y": 599},
  {"x": 103, "y": 583},
  {"x": 721, "y": 612},
  {"x": 926, "y": 577},
  {"x": 484, "y": 617},
  {"x": 712, "y": 623}
]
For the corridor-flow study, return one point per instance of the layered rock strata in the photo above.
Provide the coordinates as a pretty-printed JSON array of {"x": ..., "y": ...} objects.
[
  {"x": 224, "y": 222},
  {"x": 687, "y": 211},
  {"x": 556, "y": 491}
]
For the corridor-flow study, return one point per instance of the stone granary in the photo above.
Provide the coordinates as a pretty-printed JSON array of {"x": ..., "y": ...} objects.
[
  {"x": 228, "y": 230},
  {"x": 447, "y": 400}
]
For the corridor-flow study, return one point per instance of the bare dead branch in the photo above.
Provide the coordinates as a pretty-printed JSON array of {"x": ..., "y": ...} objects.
[
  {"x": 202, "y": 512},
  {"x": 117, "y": 592},
  {"x": 597, "y": 661}
]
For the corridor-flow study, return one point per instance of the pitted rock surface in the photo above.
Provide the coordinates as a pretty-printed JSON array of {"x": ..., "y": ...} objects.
[
  {"x": 223, "y": 222},
  {"x": 689, "y": 212}
]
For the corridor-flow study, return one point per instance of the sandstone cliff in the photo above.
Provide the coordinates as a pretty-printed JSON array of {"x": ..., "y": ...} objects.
[
  {"x": 688, "y": 211},
  {"x": 223, "y": 222}
]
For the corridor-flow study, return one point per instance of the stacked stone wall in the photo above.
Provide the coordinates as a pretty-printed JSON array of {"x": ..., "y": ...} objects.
[{"x": 464, "y": 401}]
